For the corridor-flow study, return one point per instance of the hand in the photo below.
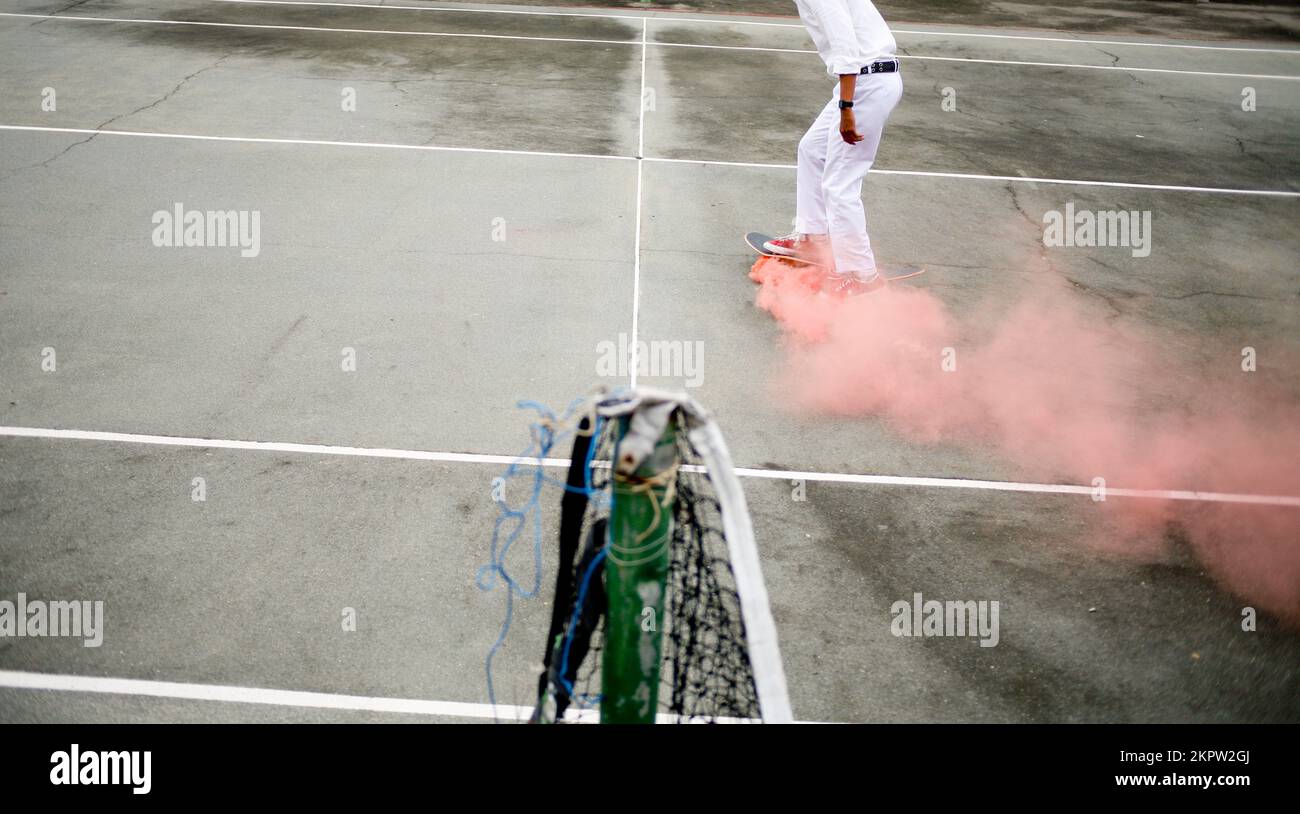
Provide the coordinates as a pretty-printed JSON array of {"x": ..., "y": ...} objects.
[{"x": 849, "y": 128}]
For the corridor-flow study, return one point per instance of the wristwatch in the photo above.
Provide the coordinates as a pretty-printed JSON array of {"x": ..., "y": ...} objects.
[{"x": 845, "y": 105}]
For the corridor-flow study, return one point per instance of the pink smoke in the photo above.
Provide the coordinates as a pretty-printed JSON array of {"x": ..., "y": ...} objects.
[{"x": 1065, "y": 395}]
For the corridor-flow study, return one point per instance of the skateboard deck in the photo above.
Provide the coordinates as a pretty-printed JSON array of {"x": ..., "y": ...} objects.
[{"x": 755, "y": 240}]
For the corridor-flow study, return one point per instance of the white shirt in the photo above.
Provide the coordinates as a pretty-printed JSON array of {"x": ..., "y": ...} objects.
[{"x": 849, "y": 34}]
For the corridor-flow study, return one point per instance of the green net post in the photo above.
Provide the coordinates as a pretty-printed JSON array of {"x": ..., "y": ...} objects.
[{"x": 636, "y": 571}]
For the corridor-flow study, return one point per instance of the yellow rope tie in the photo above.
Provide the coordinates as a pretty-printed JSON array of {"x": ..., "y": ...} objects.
[
  {"x": 637, "y": 485},
  {"x": 587, "y": 411}
]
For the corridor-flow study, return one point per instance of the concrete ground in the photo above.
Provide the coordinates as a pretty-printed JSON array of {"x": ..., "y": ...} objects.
[
  {"x": 372, "y": 243},
  {"x": 1182, "y": 19}
]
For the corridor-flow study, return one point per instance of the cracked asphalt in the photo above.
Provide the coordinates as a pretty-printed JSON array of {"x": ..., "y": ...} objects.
[{"x": 391, "y": 253}]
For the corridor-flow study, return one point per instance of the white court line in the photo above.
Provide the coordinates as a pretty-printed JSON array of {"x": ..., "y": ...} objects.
[
  {"x": 640, "y": 124},
  {"x": 777, "y": 474},
  {"x": 1002, "y": 178},
  {"x": 269, "y": 446},
  {"x": 311, "y": 142},
  {"x": 14, "y": 679},
  {"x": 271, "y": 27},
  {"x": 1284, "y": 77},
  {"x": 1013, "y": 486},
  {"x": 56, "y": 682},
  {"x": 263, "y": 26},
  {"x": 660, "y": 18},
  {"x": 1276, "y": 193},
  {"x": 758, "y": 164},
  {"x": 1071, "y": 41},
  {"x": 640, "y": 173},
  {"x": 387, "y": 146},
  {"x": 391, "y": 7}
]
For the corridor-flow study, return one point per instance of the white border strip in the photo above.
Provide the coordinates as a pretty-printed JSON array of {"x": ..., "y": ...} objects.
[
  {"x": 14, "y": 679},
  {"x": 636, "y": 245},
  {"x": 506, "y": 460},
  {"x": 434, "y": 148},
  {"x": 660, "y": 18},
  {"x": 264, "y": 26},
  {"x": 61, "y": 682},
  {"x": 756, "y": 613}
]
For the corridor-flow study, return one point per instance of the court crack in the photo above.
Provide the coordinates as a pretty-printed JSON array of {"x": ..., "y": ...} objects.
[
  {"x": 57, "y": 12},
  {"x": 47, "y": 162},
  {"x": 1209, "y": 293},
  {"x": 1109, "y": 300},
  {"x": 1114, "y": 57},
  {"x": 170, "y": 93},
  {"x": 1034, "y": 225}
]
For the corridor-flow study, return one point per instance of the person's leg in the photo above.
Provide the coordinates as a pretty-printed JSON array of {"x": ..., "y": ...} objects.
[
  {"x": 809, "y": 241},
  {"x": 810, "y": 200},
  {"x": 846, "y": 165}
]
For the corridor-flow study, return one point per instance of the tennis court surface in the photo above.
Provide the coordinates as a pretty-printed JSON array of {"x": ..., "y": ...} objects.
[{"x": 446, "y": 209}]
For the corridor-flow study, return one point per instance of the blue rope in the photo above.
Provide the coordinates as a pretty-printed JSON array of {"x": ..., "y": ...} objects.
[
  {"x": 512, "y": 520},
  {"x": 573, "y": 624}
]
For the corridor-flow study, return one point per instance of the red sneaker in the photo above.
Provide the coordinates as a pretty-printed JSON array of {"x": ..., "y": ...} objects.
[
  {"x": 795, "y": 245},
  {"x": 844, "y": 287}
]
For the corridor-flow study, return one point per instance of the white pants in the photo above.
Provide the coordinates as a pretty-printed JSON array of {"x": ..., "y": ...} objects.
[{"x": 831, "y": 172}]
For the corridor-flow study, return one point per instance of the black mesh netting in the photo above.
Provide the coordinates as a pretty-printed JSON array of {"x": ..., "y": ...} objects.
[{"x": 705, "y": 673}]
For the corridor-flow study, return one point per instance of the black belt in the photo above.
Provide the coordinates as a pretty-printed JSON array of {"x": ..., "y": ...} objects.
[{"x": 881, "y": 66}]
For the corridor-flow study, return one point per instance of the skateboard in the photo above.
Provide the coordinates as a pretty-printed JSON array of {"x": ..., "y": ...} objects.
[{"x": 757, "y": 239}]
